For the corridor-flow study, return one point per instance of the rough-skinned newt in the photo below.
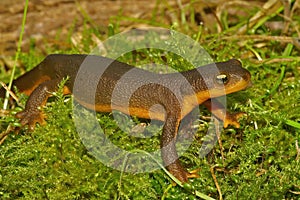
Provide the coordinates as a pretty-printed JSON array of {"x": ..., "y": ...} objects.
[{"x": 177, "y": 93}]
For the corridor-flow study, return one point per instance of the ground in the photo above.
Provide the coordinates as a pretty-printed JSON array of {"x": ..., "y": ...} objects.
[
  {"x": 259, "y": 160},
  {"x": 48, "y": 20}
]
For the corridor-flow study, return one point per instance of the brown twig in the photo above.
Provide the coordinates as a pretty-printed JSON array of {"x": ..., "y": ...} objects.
[
  {"x": 212, "y": 171},
  {"x": 10, "y": 92},
  {"x": 224, "y": 6},
  {"x": 4, "y": 134},
  {"x": 269, "y": 7},
  {"x": 274, "y": 60},
  {"x": 295, "y": 6},
  {"x": 298, "y": 150},
  {"x": 217, "y": 125},
  {"x": 285, "y": 39}
]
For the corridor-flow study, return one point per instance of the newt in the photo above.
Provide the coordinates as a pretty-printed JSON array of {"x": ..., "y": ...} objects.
[{"x": 178, "y": 93}]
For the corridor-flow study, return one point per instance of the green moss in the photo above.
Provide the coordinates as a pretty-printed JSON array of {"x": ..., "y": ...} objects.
[{"x": 260, "y": 159}]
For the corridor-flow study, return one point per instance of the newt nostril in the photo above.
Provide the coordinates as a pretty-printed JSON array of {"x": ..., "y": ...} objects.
[
  {"x": 247, "y": 76},
  {"x": 250, "y": 84}
]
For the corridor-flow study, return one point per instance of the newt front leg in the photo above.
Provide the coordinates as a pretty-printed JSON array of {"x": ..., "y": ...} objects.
[
  {"x": 38, "y": 98},
  {"x": 168, "y": 149},
  {"x": 218, "y": 110},
  {"x": 169, "y": 152}
]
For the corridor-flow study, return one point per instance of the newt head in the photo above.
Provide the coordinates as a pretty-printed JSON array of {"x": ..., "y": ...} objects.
[{"x": 229, "y": 78}]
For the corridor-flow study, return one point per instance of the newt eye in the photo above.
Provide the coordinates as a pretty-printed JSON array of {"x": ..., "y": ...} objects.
[{"x": 222, "y": 79}]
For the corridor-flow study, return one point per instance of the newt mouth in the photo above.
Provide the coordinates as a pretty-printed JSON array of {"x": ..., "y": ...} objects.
[{"x": 242, "y": 85}]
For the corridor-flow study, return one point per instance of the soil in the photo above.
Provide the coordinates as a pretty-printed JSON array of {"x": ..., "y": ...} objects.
[
  {"x": 52, "y": 19},
  {"x": 50, "y": 22}
]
